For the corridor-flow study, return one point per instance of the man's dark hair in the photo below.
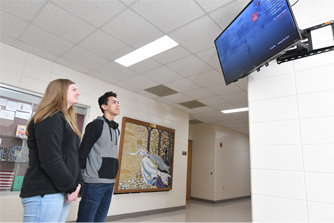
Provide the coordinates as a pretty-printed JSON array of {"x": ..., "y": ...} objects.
[{"x": 103, "y": 100}]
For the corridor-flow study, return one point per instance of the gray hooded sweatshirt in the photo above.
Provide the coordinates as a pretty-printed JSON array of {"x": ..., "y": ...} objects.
[{"x": 98, "y": 152}]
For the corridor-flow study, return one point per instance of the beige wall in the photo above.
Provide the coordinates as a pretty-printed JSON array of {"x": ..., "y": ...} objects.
[
  {"x": 219, "y": 173},
  {"x": 291, "y": 114},
  {"x": 25, "y": 71}
]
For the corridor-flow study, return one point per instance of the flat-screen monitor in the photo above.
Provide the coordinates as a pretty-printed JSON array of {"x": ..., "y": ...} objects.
[{"x": 262, "y": 31}]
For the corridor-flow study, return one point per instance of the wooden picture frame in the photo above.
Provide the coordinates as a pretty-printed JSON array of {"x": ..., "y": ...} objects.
[{"x": 146, "y": 155}]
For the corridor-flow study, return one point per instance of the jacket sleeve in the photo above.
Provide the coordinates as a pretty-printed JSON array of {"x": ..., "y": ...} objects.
[
  {"x": 92, "y": 134},
  {"x": 49, "y": 136},
  {"x": 80, "y": 178}
]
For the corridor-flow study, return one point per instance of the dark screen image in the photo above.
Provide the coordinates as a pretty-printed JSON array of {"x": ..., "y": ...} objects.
[{"x": 261, "y": 31}]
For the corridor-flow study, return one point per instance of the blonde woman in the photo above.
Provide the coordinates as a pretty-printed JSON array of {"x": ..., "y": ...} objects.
[{"x": 53, "y": 178}]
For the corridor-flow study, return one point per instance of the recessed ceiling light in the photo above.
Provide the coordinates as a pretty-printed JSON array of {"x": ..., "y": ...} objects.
[
  {"x": 157, "y": 46},
  {"x": 235, "y": 110}
]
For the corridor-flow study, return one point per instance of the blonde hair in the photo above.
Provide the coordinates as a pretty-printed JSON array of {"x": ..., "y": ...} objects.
[{"x": 55, "y": 100}]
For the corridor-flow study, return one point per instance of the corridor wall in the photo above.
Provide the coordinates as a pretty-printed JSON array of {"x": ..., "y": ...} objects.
[
  {"x": 291, "y": 118},
  {"x": 220, "y": 163}
]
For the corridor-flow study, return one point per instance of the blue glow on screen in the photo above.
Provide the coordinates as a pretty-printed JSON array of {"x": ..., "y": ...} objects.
[{"x": 261, "y": 31}]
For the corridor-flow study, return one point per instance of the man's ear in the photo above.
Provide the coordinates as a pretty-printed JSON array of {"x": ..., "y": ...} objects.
[{"x": 104, "y": 107}]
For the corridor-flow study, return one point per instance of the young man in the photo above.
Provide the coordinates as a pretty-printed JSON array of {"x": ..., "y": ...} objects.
[{"x": 98, "y": 158}]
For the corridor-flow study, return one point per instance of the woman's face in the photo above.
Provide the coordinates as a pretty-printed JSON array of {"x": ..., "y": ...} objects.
[{"x": 72, "y": 95}]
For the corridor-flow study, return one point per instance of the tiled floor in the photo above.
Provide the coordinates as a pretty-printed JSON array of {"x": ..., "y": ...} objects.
[{"x": 198, "y": 211}]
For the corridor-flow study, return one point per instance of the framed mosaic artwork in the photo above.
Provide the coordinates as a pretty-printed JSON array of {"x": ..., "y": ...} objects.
[{"x": 146, "y": 154}]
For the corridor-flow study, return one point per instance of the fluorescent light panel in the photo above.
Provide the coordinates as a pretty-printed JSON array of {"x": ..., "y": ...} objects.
[
  {"x": 235, "y": 110},
  {"x": 157, "y": 46}
]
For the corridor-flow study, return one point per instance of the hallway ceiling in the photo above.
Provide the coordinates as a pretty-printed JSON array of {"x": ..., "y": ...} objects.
[{"x": 88, "y": 35}]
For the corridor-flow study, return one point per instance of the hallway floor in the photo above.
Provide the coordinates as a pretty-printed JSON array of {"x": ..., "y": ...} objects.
[{"x": 198, "y": 211}]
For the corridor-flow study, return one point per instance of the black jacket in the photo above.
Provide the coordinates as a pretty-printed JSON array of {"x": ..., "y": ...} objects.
[{"x": 53, "y": 158}]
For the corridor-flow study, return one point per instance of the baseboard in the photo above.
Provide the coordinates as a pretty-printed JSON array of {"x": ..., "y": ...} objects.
[
  {"x": 220, "y": 201},
  {"x": 143, "y": 213},
  {"x": 164, "y": 210}
]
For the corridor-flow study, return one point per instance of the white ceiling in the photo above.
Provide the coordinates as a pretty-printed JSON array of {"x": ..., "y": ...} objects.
[{"x": 88, "y": 35}]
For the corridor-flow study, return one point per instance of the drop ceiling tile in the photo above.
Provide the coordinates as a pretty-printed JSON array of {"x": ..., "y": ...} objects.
[
  {"x": 182, "y": 85},
  {"x": 116, "y": 71},
  {"x": 214, "y": 114},
  {"x": 23, "y": 9},
  {"x": 240, "y": 104},
  {"x": 105, "y": 45},
  {"x": 197, "y": 35},
  {"x": 102, "y": 77},
  {"x": 62, "y": 23},
  {"x": 190, "y": 111},
  {"x": 208, "y": 78},
  {"x": 162, "y": 75},
  {"x": 242, "y": 83},
  {"x": 224, "y": 16},
  {"x": 45, "y": 40},
  {"x": 95, "y": 12},
  {"x": 189, "y": 66},
  {"x": 230, "y": 122},
  {"x": 165, "y": 101},
  {"x": 140, "y": 82},
  {"x": 171, "y": 55},
  {"x": 221, "y": 89},
  {"x": 147, "y": 94},
  {"x": 161, "y": 90},
  {"x": 210, "y": 5},
  {"x": 72, "y": 65},
  {"x": 81, "y": 56},
  {"x": 144, "y": 66},
  {"x": 7, "y": 22},
  {"x": 235, "y": 96},
  {"x": 128, "y": 2},
  {"x": 224, "y": 106},
  {"x": 180, "y": 107},
  {"x": 214, "y": 100},
  {"x": 210, "y": 57},
  {"x": 192, "y": 104},
  {"x": 198, "y": 93},
  {"x": 195, "y": 116},
  {"x": 178, "y": 13},
  {"x": 126, "y": 86},
  {"x": 225, "y": 118},
  {"x": 205, "y": 109},
  {"x": 133, "y": 34},
  {"x": 177, "y": 98}
]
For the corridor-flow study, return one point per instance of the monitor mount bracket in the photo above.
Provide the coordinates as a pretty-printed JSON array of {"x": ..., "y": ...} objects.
[{"x": 304, "y": 48}]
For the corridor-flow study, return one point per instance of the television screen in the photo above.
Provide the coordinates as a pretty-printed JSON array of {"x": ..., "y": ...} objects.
[{"x": 260, "y": 33}]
